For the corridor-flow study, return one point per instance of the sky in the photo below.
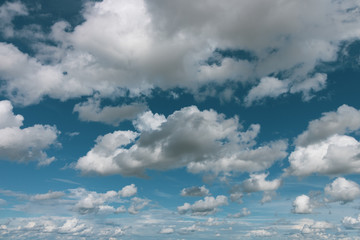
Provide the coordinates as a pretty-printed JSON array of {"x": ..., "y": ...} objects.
[{"x": 179, "y": 119}]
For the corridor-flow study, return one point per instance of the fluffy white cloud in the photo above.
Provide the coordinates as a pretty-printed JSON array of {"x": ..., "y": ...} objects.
[
  {"x": 268, "y": 87},
  {"x": 273, "y": 88},
  {"x": 195, "y": 191},
  {"x": 204, "y": 207},
  {"x": 339, "y": 154},
  {"x": 323, "y": 148},
  {"x": 88, "y": 202},
  {"x": 8, "y": 11},
  {"x": 302, "y": 205},
  {"x": 345, "y": 120},
  {"x": 91, "y": 111},
  {"x": 351, "y": 223},
  {"x": 58, "y": 227},
  {"x": 128, "y": 191},
  {"x": 125, "y": 44},
  {"x": 342, "y": 190},
  {"x": 167, "y": 230},
  {"x": 24, "y": 144},
  {"x": 149, "y": 121},
  {"x": 257, "y": 183},
  {"x": 200, "y": 140},
  {"x": 244, "y": 212}
]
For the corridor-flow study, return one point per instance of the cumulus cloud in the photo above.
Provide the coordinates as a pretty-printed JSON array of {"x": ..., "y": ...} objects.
[
  {"x": 125, "y": 45},
  {"x": 351, "y": 223},
  {"x": 195, "y": 191},
  {"x": 257, "y": 183},
  {"x": 59, "y": 227},
  {"x": 204, "y": 207},
  {"x": 302, "y": 205},
  {"x": 339, "y": 154},
  {"x": 92, "y": 112},
  {"x": 342, "y": 190},
  {"x": 24, "y": 144},
  {"x": 88, "y": 202},
  {"x": 271, "y": 87},
  {"x": 345, "y": 120},
  {"x": 244, "y": 212},
  {"x": 323, "y": 148},
  {"x": 268, "y": 87},
  {"x": 203, "y": 141}
]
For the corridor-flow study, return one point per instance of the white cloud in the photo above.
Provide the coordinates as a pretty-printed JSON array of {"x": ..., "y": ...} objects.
[
  {"x": 204, "y": 207},
  {"x": 88, "y": 202},
  {"x": 8, "y": 11},
  {"x": 302, "y": 205},
  {"x": 125, "y": 44},
  {"x": 342, "y": 190},
  {"x": 47, "y": 196},
  {"x": 257, "y": 183},
  {"x": 260, "y": 233},
  {"x": 244, "y": 212},
  {"x": 167, "y": 230},
  {"x": 137, "y": 204},
  {"x": 203, "y": 141},
  {"x": 345, "y": 120},
  {"x": 351, "y": 223},
  {"x": 149, "y": 121},
  {"x": 128, "y": 191},
  {"x": 91, "y": 111},
  {"x": 24, "y": 144},
  {"x": 236, "y": 197},
  {"x": 310, "y": 85},
  {"x": 339, "y": 154},
  {"x": 268, "y": 87},
  {"x": 195, "y": 191}
]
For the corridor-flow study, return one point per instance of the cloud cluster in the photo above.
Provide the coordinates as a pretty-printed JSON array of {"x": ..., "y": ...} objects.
[
  {"x": 342, "y": 190},
  {"x": 125, "y": 45},
  {"x": 8, "y": 11},
  {"x": 244, "y": 212},
  {"x": 24, "y": 144},
  {"x": 203, "y": 141},
  {"x": 323, "y": 148},
  {"x": 88, "y": 202},
  {"x": 204, "y": 207},
  {"x": 351, "y": 223}
]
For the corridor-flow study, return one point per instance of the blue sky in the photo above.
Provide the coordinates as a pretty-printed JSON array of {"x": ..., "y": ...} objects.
[{"x": 179, "y": 119}]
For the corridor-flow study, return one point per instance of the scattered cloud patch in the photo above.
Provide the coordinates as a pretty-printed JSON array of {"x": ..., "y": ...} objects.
[
  {"x": 342, "y": 190},
  {"x": 195, "y": 191},
  {"x": 24, "y": 144},
  {"x": 91, "y": 111},
  {"x": 204, "y": 207}
]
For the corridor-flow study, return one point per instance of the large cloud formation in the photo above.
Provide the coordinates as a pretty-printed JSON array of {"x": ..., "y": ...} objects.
[
  {"x": 202, "y": 141},
  {"x": 126, "y": 44},
  {"x": 323, "y": 148},
  {"x": 24, "y": 144}
]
